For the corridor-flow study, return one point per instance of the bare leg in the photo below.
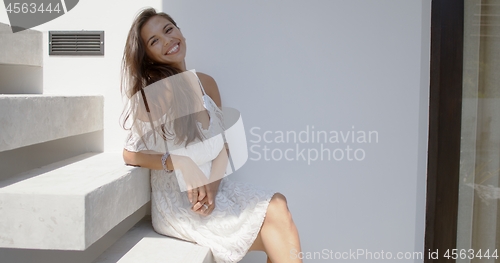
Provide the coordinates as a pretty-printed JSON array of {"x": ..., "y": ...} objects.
[
  {"x": 278, "y": 235},
  {"x": 259, "y": 246}
]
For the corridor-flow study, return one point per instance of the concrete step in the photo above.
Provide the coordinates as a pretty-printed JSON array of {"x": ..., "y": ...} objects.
[
  {"x": 21, "y": 61},
  {"x": 18, "y": 79},
  {"x": 21, "y": 48},
  {"x": 71, "y": 204},
  {"x": 32, "y": 119},
  {"x": 142, "y": 244}
]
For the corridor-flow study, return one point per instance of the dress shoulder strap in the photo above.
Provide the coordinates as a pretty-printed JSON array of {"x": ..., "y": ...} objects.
[
  {"x": 202, "y": 89},
  {"x": 201, "y": 86}
]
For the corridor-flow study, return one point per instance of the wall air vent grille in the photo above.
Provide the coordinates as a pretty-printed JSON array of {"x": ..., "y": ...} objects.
[{"x": 76, "y": 43}]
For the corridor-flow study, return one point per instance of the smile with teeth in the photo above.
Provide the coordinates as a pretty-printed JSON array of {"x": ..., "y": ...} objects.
[{"x": 173, "y": 50}]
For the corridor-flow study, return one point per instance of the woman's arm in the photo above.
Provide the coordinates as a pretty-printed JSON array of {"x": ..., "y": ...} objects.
[
  {"x": 217, "y": 172},
  {"x": 193, "y": 177},
  {"x": 146, "y": 160},
  {"x": 219, "y": 164},
  {"x": 153, "y": 161}
]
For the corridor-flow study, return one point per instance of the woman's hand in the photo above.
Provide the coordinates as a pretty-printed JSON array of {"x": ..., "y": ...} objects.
[
  {"x": 200, "y": 190},
  {"x": 194, "y": 178},
  {"x": 206, "y": 193},
  {"x": 211, "y": 190},
  {"x": 203, "y": 207}
]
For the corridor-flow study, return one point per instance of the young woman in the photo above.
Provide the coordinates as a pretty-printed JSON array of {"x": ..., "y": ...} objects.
[{"x": 229, "y": 217}]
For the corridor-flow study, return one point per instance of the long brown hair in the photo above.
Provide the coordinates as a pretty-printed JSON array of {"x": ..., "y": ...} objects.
[{"x": 139, "y": 71}]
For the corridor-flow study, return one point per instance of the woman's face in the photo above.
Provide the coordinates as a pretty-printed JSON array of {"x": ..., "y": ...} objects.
[{"x": 164, "y": 42}]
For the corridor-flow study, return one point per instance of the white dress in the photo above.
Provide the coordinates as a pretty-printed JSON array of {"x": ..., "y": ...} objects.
[{"x": 240, "y": 208}]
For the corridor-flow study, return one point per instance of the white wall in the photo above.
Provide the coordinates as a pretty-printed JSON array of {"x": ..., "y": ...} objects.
[
  {"x": 332, "y": 65},
  {"x": 72, "y": 75}
]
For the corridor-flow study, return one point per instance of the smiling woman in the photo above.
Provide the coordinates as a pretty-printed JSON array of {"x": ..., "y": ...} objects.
[
  {"x": 231, "y": 218},
  {"x": 165, "y": 42}
]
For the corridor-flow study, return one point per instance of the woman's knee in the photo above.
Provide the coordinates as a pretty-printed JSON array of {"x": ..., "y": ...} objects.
[
  {"x": 279, "y": 200},
  {"x": 278, "y": 212}
]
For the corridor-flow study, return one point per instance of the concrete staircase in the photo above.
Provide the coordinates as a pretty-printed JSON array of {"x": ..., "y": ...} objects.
[{"x": 62, "y": 199}]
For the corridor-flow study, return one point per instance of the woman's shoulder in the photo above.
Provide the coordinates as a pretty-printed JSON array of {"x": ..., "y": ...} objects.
[
  {"x": 206, "y": 79},
  {"x": 210, "y": 87}
]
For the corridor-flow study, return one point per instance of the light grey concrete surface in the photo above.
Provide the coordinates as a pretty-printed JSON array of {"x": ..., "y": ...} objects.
[
  {"x": 14, "y": 255},
  {"x": 142, "y": 244},
  {"x": 71, "y": 204},
  {"x": 17, "y": 161},
  {"x": 19, "y": 79},
  {"x": 21, "y": 48},
  {"x": 31, "y": 119}
]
